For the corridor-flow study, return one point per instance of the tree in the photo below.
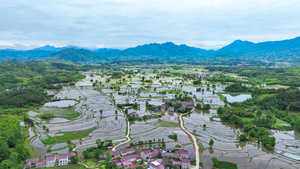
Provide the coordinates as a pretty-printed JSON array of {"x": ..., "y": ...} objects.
[
  {"x": 107, "y": 160},
  {"x": 116, "y": 112},
  {"x": 6, "y": 164},
  {"x": 74, "y": 159},
  {"x": 242, "y": 137},
  {"x": 131, "y": 144},
  {"x": 211, "y": 142},
  {"x": 14, "y": 157},
  {"x": 5, "y": 153},
  {"x": 214, "y": 161},
  {"x": 119, "y": 158},
  {"x": 159, "y": 155},
  {"x": 99, "y": 143}
]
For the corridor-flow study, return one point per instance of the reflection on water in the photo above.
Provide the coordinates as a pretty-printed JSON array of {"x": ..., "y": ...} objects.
[{"x": 61, "y": 103}]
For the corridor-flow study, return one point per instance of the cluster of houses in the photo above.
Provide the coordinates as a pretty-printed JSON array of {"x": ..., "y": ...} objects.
[
  {"x": 184, "y": 106},
  {"x": 201, "y": 75},
  {"x": 50, "y": 161},
  {"x": 126, "y": 158}
]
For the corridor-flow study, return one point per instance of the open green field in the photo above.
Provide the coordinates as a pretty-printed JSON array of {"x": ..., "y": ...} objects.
[
  {"x": 68, "y": 136},
  {"x": 165, "y": 123}
]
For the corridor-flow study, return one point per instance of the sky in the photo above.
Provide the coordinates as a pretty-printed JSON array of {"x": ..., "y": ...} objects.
[{"x": 207, "y": 24}]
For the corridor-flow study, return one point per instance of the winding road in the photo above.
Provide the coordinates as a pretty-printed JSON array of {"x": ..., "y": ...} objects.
[{"x": 191, "y": 136}]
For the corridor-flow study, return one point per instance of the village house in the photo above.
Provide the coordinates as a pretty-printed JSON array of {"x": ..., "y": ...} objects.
[
  {"x": 134, "y": 114},
  {"x": 41, "y": 164},
  {"x": 132, "y": 158},
  {"x": 116, "y": 154},
  {"x": 185, "y": 163},
  {"x": 176, "y": 154},
  {"x": 145, "y": 154},
  {"x": 31, "y": 162},
  {"x": 71, "y": 154},
  {"x": 162, "y": 108},
  {"x": 118, "y": 164},
  {"x": 154, "y": 153},
  {"x": 184, "y": 154},
  {"x": 174, "y": 162},
  {"x": 127, "y": 164},
  {"x": 63, "y": 160},
  {"x": 127, "y": 151},
  {"x": 50, "y": 161},
  {"x": 171, "y": 109},
  {"x": 156, "y": 165}
]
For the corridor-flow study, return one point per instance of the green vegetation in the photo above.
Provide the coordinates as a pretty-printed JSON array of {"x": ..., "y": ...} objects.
[
  {"x": 223, "y": 164},
  {"x": 289, "y": 76},
  {"x": 22, "y": 98},
  {"x": 67, "y": 137},
  {"x": 170, "y": 91},
  {"x": 71, "y": 116},
  {"x": 211, "y": 142},
  {"x": 173, "y": 137},
  {"x": 165, "y": 123},
  {"x": 45, "y": 116},
  {"x": 13, "y": 151}
]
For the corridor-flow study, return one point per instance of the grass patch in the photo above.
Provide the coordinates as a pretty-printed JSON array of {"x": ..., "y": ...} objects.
[
  {"x": 278, "y": 121},
  {"x": 67, "y": 137},
  {"x": 164, "y": 123},
  {"x": 247, "y": 119},
  {"x": 91, "y": 162},
  {"x": 173, "y": 137},
  {"x": 71, "y": 116},
  {"x": 223, "y": 164},
  {"x": 171, "y": 91},
  {"x": 191, "y": 85}
]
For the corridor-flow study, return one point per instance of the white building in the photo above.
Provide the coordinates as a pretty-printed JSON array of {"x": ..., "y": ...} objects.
[
  {"x": 50, "y": 161},
  {"x": 63, "y": 160}
]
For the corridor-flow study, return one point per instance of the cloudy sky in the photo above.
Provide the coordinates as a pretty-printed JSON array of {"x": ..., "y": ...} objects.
[{"x": 208, "y": 24}]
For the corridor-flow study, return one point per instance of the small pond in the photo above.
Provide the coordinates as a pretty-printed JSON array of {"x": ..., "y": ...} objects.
[{"x": 237, "y": 98}]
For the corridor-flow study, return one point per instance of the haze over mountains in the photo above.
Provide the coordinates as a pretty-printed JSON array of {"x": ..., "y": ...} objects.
[{"x": 285, "y": 50}]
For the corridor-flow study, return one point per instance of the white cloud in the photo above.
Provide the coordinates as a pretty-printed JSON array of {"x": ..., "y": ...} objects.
[{"x": 125, "y": 23}]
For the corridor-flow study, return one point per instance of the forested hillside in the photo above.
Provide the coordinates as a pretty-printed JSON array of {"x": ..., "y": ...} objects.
[
  {"x": 232, "y": 54},
  {"x": 17, "y": 75}
]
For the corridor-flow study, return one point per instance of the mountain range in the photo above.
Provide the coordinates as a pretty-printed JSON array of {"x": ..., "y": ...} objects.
[{"x": 285, "y": 50}]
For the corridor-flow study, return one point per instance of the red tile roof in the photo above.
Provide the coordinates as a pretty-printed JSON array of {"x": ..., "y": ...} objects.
[
  {"x": 40, "y": 163},
  {"x": 186, "y": 160},
  {"x": 64, "y": 156},
  {"x": 50, "y": 158},
  {"x": 184, "y": 152},
  {"x": 72, "y": 154}
]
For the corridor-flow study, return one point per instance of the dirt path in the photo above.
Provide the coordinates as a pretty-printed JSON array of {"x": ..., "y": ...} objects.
[{"x": 191, "y": 136}]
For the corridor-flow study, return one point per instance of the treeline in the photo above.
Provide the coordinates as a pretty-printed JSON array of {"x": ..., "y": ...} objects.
[
  {"x": 284, "y": 99},
  {"x": 289, "y": 76},
  {"x": 12, "y": 149},
  {"x": 41, "y": 74},
  {"x": 256, "y": 128},
  {"x": 22, "y": 98},
  {"x": 237, "y": 87}
]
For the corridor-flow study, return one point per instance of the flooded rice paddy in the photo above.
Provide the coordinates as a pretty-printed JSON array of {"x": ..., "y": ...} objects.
[
  {"x": 110, "y": 125},
  {"x": 237, "y": 98}
]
